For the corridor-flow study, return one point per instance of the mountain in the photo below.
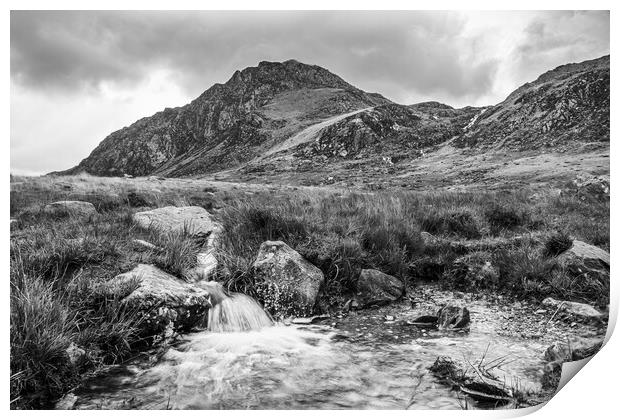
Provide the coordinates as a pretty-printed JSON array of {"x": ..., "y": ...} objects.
[
  {"x": 229, "y": 123},
  {"x": 565, "y": 107},
  {"x": 299, "y": 123}
]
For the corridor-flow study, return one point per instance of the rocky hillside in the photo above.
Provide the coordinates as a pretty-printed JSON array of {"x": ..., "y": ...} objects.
[
  {"x": 563, "y": 108},
  {"x": 229, "y": 123},
  {"x": 294, "y": 117}
]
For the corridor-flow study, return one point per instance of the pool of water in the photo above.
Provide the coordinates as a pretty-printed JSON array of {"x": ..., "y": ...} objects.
[{"x": 362, "y": 361}]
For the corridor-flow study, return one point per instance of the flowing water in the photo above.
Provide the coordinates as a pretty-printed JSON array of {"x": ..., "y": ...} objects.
[{"x": 244, "y": 360}]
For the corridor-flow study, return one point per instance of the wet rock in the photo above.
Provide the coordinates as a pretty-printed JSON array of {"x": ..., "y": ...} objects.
[
  {"x": 453, "y": 317},
  {"x": 309, "y": 320},
  {"x": 377, "y": 288},
  {"x": 425, "y": 321},
  {"x": 286, "y": 273},
  {"x": 480, "y": 384},
  {"x": 195, "y": 220},
  {"x": 79, "y": 209},
  {"x": 162, "y": 300},
  {"x": 67, "y": 402},
  {"x": 573, "y": 308}
]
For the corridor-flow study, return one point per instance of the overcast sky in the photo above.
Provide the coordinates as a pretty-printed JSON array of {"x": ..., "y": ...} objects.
[{"x": 77, "y": 76}]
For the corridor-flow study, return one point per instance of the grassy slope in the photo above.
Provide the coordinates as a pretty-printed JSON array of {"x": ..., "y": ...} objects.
[{"x": 58, "y": 265}]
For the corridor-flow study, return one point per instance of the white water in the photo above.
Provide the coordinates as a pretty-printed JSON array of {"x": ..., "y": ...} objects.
[{"x": 244, "y": 361}]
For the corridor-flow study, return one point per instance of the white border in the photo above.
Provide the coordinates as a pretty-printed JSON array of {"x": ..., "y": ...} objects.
[{"x": 591, "y": 395}]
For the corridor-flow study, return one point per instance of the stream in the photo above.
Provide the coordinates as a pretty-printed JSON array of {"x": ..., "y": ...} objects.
[{"x": 364, "y": 360}]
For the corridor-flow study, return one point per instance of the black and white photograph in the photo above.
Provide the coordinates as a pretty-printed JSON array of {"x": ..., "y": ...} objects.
[{"x": 306, "y": 209}]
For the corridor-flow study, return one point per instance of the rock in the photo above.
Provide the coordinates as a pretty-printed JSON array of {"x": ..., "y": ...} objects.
[
  {"x": 309, "y": 320},
  {"x": 480, "y": 384},
  {"x": 425, "y": 321},
  {"x": 79, "y": 209},
  {"x": 196, "y": 220},
  {"x": 76, "y": 354},
  {"x": 583, "y": 254},
  {"x": 377, "y": 288},
  {"x": 452, "y": 317},
  {"x": 574, "y": 308},
  {"x": 163, "y": 300},
  {"x": 561, "y": 352},
  {"x": 288, "y": 274},
  {"x": 67, "y": 402}
]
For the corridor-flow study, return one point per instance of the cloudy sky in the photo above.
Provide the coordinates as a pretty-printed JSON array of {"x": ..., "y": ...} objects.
[{"x": 77, "y": 76}]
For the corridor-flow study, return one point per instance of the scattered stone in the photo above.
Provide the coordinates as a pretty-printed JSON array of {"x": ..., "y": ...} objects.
[
  {"x": 453, "y": 317},
  {"x": 193, "y": 219},
  {"x": 163, "y": 301},
  {"x": 377, "y": 288},
  {"x": 573, "y": 308},
  {"x": 280, "y": 266},
  {"x": 80, "y": 209}
]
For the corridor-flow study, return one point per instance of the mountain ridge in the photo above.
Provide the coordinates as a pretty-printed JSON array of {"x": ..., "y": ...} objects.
[{"x": 256, "y": 119}]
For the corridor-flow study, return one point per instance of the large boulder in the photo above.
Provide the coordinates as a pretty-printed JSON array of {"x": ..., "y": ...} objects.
[
  {"x": 377, "y": 288},
  {"x": 452, "y": 317},
  {"x": 288, "y": 282},
  {"x": 195, "y": 220},
  {"x": 574, "y": 308},
  {"x": 163, "y": 301},
  {"x": 560, "y": 352},
  {"x": 79, "y": 209},
  {"x": 585, "y": 255}
]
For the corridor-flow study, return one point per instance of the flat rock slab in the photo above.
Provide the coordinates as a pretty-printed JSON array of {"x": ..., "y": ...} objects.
[
  {"x": 81, "y": 209},
  {"x": 574, "y": 308},
  {"x": 193, "y": 219},
  {"x": 162, "y": 299}
]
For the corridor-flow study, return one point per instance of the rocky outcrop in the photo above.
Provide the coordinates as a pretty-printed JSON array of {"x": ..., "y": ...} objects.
[
  {"x": 288, "y": 279},
  {"x": 194, "y": 220},
  {"x": 453, "y": 317},
  {"x": 164, "y": 302},
  {"x": 79, "y": 209},
  {"x": 564, "y": 108},
  {"x": 574, "y": 308},
  {"x": 377, "y": 288}
]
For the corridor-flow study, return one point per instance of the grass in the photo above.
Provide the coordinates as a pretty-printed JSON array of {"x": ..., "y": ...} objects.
[{"x": 59, "y": 265}]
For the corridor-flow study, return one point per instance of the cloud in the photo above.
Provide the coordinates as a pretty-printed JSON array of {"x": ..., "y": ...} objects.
[
  {"x": 82, "y": 74},
  {"x": 391, "y": 50}
]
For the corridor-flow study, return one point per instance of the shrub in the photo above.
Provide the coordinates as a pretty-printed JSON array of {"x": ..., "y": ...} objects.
[
  {"x": 506, "y": 217},
  {"x": 557, "y": 244}
]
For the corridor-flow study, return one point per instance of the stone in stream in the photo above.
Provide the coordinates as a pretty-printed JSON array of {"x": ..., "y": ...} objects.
[
  {"x": 452, "y": 317},
  {"x": 161, "y": 300},
  {"x": 288, "y": 275},
  {"x": 560, "y": 352},
  {"x": 79, "y": 209},
  {"x": 377, "y": 288},
  {"x": 574, "y": 308}
]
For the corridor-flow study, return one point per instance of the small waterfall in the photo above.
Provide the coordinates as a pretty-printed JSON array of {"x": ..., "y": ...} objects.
[{"x": 233, "y": 312}]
